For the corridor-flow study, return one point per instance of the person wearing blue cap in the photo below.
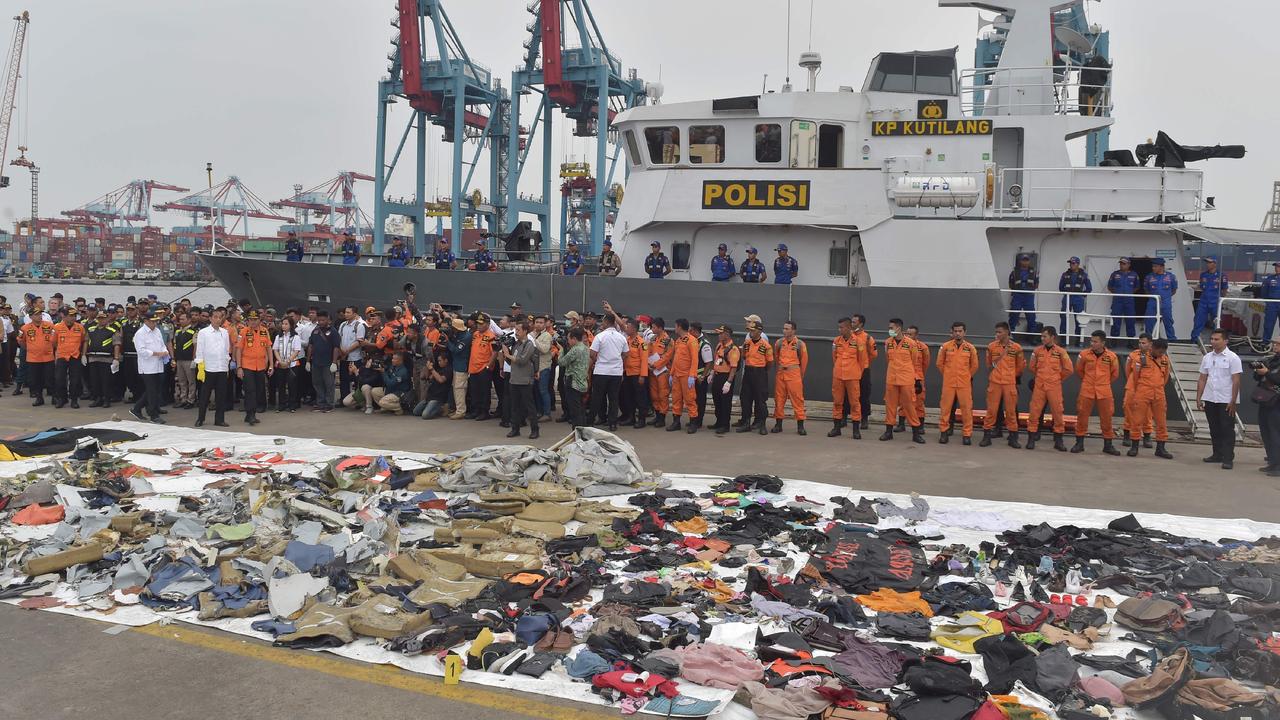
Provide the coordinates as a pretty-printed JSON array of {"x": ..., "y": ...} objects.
[
  {"x": 571, "y": 263},
  {"x": 483, "y": 260},
  {"x": 722, "y": 266},
  {"x": 1271, "y": 291},
  {"x": 610, "y": 264},
  {"x": 1213, "y": 287},
  {"x": 1073, "y": 280},
  {"x": 1123, "y": 283},
  {"x": 293, "y": 248},
  {"x": 785, "y": 267},
  {"x": 444, "y": 258},
  {"x": 752, "y": 269},
  {"x": 656, "y": 263},
  {"x": 400, "y": 255},
  {"x": 1163, "y": 285},
  {"x": 1027, "y": 280},
  {"x": 350, "y": 249}
]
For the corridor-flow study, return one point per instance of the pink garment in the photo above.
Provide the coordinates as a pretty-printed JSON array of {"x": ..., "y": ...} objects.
[
  {"x": 718, "y": 666},
  {"x": 1102, "y": 689}
]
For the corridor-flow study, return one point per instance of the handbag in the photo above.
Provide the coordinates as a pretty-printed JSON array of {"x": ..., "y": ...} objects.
[{"x": 1264, "y": 395}]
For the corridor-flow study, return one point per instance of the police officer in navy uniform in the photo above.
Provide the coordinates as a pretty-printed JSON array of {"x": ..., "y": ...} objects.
[
  {"x": 483, "y": 260},
  {"x": 1024, "y": 278},
  {"x": 293, "y": 248},
  {"x": 722, "y": 266},
  {"x": 1271, "y": 291},
  {"x": 785, "y": 267},
  {"x": 1165, "y": 286},
  {"x": 399, "y": 255},
  {"x": 752, "y": 270},
  {"x": 350, "y": 249},
  {"x": 656, "y": 263},
  {"x": 444, "y": 258},
  {"x": 1213, "y": 287},
  {"x": 1073, "y": 280},
  {"x": 1123, "y": 283},
  {"x": 571, "y": 263}
]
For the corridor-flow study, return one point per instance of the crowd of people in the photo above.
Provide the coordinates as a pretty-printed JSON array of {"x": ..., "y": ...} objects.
[{"x": 605, "y": 368}]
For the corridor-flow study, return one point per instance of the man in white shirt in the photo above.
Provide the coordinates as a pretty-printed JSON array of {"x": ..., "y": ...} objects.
[
  {"x": 351, "y": 333},
  {"x": 153, "y": 354},
  {"x": 213, "y": 351},
  {"x": 1216, "y": 394},
  {"x": 607, "y": 350}
]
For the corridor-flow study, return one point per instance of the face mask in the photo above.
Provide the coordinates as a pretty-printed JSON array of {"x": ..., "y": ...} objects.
[{"x": 893, "y": 333}]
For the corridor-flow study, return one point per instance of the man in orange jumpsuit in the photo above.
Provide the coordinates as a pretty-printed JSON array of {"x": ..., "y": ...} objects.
[
  {"x": 923, "y": 358},
  {"x": 1097, "y": 368},
  {"x": 38, "y": 338},
  {"x": 958, "y": 363},
  {"x": 1050, "y": 365},
  {"x": 848, "y": 359},
  {"x": 69, "y": 341},
  {"x": 792, "y": 357},
  {"x": 757, "y": 355},
  {"x": 1144, "y": 346},
  {"x": 661, "y": 349},
  {"x": 254, "y": 363},
  {"x": 635, "y": 376},
  {"x": 900, "y": 381},
  {"x": 684, "y": 371},
  {"x": 480, "y": 365},
  {"x": 1005, "y": 363},
  {"x": 1150, "y": 372}
]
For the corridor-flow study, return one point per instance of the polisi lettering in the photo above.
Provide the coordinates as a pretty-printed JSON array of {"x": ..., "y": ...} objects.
[{"x": 755, "y": 194}]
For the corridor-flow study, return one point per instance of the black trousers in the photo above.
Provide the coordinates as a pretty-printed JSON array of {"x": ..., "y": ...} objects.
[
  {"x": 1222, "y": 431},
  {"x": 604, "y": 398},
  {"x": 100, "y": 381},
  {"x": 152, "y": 389},
  {"x": 478, "y": 386},
  {"x": 633, "y": 398},
  {"x": 67, "y": 379},
  {"x": 723, "y": 400},
  {"x": 700, "y": 389},
  {"x": 864, "y": 394},
  {"x": 215, "y": 384},
  {"x": 520, "y": 401},
  {"x": 500, "y": 390},
  {"x": 254, "y": 384},
  {"x": 128, "y": 377},
  {"x": 40, "y": 378},
  {"x": 1269, "y": 427},
  {"x": 345, "y": 379},
  {"x": 573, "y": 405},
  {"x": 290, "y": 395},
  {"x": 755, "y": 388}
]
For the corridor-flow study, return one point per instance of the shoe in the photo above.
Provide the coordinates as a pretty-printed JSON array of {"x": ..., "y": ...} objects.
[
  {"x": 1109, "y": 448},
  {"x": 136, "y": 415},
  {"x": 157, "y": 420},
  {"x": 1228, "y": 465},
  {"x": 1032, "y": 439},
  {"x": 1133, "y": 450},
  {"x": 1079, "y": 446},
  {"x": 834, "y": 431},
  {"x": 534, "y": 434},
  {"x": 986, "y": 439},
  {"x": 457, "y": 416},
  {"x": 504, "y": 424},
  {"x": 613, "y": 427},
  {"x": 1013, "y": 440},
  {"x": 223, "y": 424},
  {"x": 199, "y": 423},
  {"x": 1162, "y": 453},
  {"x": 721, "y": 430},
  {"x": 369, "y": 411},
  {"x": 762, "y": 429},
  {"x": 693, "y": 428},
  {"x": 1038, "y": 594},
  {"x": 95, "y": 403},
  {"x": 37, "y": 402},
  {"x": 887, "y": 434},
  {"x": 163, "y": 411},
  {"x": 659, "y": 420},
  {"x": 856, "y": 432},
  {"x": 1213, "y": 459},
  {"x": 1146, "y": 440},
  {"x": 675, "y": 424},
  {"x": 943, "y": 439},
  {"x": 17, "y": 391},
  {"x": 513, "y": 432},
  {"x": 1074, "y": 582},
  {"x": 1127, "y": 441},
  {"x": 1018, "y": 593},
  {"x": 917, "y": 434},
  {"x": 638, "y": 425},
  {"x": 1273, "y": 473},
  {"x": 1267, "y": 468},
  {"x": 742, "y": 428},
  {"x": 864, "y": 424},
  {"x": 902, "y": 426},
  {"x": 483, "y": 417},
  {"x": 1058, "y": 444},
  {"x": 966, "y": 440},
  {"x": 777, "y": 426},
  {"x": 800, "y": 428}
]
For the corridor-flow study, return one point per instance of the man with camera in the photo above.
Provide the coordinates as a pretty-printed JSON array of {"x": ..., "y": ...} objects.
[{"x": 522, "y": 354}]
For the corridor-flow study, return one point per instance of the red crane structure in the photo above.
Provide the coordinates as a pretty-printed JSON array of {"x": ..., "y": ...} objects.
[
  {"x": 227, "y": 206},
  {"x": 335, "y": 208},
  {"x": 123, "y": 206}
]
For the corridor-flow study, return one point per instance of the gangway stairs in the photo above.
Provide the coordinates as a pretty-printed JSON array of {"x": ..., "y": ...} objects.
[{"x": 1185, "y": 369}]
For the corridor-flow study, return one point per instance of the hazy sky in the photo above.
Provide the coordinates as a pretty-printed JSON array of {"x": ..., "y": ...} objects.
[{"x": 284, "y": 91}]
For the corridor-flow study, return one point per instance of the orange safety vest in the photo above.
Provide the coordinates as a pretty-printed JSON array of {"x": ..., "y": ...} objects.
[
  {"x": 1153, "y": 376},
  {"x": 685, "y": 358},
  {"x": 1005, "y": 362},
  {"x": 255, "y": 348},
  {"x": 727, "y": 357},
  {"x": 958, "y": 363},
  {"x": 1097, "y": 372},
  {"x": 38, "y": 338},
  {"x": 663, "y": 347},
  {"x": 1052, "y": 366},
  {"x": 636, "y": 362},
  {"x": 481, "y": 351},
  {"x": 847, "y": 358},
  {"x": 791, "y": 352},
  {"x": 757, "y": 352},
  {"x": 69, "y": 340}
]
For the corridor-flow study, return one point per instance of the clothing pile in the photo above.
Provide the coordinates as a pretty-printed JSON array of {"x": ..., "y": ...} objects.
[{"x": 680, "y": 599}]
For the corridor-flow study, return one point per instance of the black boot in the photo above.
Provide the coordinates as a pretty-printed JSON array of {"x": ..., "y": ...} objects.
[
  {"x": 743, "y": 428},
  {"x": 777, "y": 426},
  {"x": 75, "y": 403},
  {"x": 639, "y": 422},
  {"x": 966, "y": 440},
  {"x": 742, "y": 422},
  {"x": 1146, "y": 440},
  {"x": 1013, "y": 440},
  {"x": 917, "y": 434},
  {"x": 888, "y": 433},
  {"x": 902, "y": 425},
  {"x": 856, "y": 432},
  {"x": 1162, "y": 453},
  {"x": 675, "y": 424},
  {"x": 1133, "y": 449},
  {"x": 986, "y": 439},
  {"x": 944, "y": 438},
  {"x": 865, "y": 424},
  {"x": 1127, "y": 441},
  {"x": 998, "y": 432},
  {"x": 835, "y": 429},
  {"x": 1032, "y": 439},
  {"x": 693, "y": 426},
  {"x": 1079, "y": 446},
  {"x": 659, "y": 420},
  {"x": 1058, "y": 444},
  {"x": 800, "y": 428},
  {"x": 1109, "y": 448}
]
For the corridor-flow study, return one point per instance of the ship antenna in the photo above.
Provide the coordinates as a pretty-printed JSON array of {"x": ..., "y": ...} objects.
[
  {"x": 787, "y": 64},
  {"x": 810, "y": 24}
]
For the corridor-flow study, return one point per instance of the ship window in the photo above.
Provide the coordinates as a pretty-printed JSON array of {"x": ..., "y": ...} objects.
[
  {"x": 935, "y": 75},
  {"x": 895, "y": 73},
  {"x": 830, "y": 146},
  {"x": 633, "y": 149},
  {"x": 838, "y": 261},
  {"x": 706, "y": 144},
  {"x": 932, "y": 74},
  {"x": 768, "y": 143},
  {"x": 664, "y": 144},
  {"x": 680, "y": 253}
]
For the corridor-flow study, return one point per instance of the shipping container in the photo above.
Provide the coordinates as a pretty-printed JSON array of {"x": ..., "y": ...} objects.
[{"x": 263, "y": 246}]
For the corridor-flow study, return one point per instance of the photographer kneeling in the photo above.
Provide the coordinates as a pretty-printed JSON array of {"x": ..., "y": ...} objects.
[
  {"x": 1267, "y": 395},
  {"x": 523, "y": 356}
]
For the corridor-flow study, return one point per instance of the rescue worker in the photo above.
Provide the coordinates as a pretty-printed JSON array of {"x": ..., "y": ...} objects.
[
  {"x": 900, "y": 381},
  {"x": 923, "y": 357},
  {"x": 483, "y": 260},
  {"x": 757, "y": 355},
  {"x": 723, "y": 268},
  {"x": 792, "y": 356},
  {"x": 634, "y": 398},
  {"x": 1097, "y": 368},
  {"x": 785, "y": 267},
  {"x": 293, "y": 248},
  {"x": 1271, "y": 291},
  {"x": 656, "y": 263},
  {"x": 571, "y": 263},
  {"x": 661, "y": 350},
  {"x": 1050, "y": 365},
  {"x": 684, "y": 365},
  {"x": 443, "y": 258},
  {"x": 1213, "y": 287},
  {"x": 68, "y": 339},
  {"x": 1123, "y": 283},
  {"x": 870, "y": 353},
  {"x": 1074, "y": 280},
  {"x": 848, "y": 364},
  {"x": 1025, "y": 280},
  {"x": 254, "y": 363},
  {"x": 958, "y": 363},
  {"x": 37, "y": 338},
  {"x": 350, "y": 249},
  {"x": 727, "y": 357},
  {"x": 480, "y": 368},
  {"x": 1005, "y": 363},
  {"x": 1130, "y": 395},
  {"x": 103, "y": 352},
  {"x": 752, "y": 270},
  {"x": 1151, "y": 373},
  {"x": 610, "y": 264},
  {"x": 1165, "y": 286},
  {"x": 399, "y": 256}
]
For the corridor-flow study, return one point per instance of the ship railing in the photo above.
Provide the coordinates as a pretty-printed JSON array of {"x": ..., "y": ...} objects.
[
  {"x": 218, "y": 247},
  {"x": 1098, "y": 193},
  {"x": 1069, "y": 318},
  {"x": 1043, "y": 90},
  {"x": 1271, "y": 307}
]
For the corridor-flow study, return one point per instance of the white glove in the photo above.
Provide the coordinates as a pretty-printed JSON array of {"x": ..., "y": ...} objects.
[
  {"x": 115, "y": 366},
  {"x": 333, "y": 367},
  {"x": 308, "y": 367},
  {"x": 84, "y": 360},
  {"x": 724, "y": 389},
  {"x": 195, "y": 364},
  {"x": 690, "y": 381}
]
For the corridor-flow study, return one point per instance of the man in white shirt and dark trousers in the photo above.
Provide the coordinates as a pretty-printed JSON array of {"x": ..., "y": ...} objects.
[
  {"x": 606, "y": 374},
  {"x": 213, "y": 350},
  {"x": 153, "y": 354},
  {"x": 1216, "y": 394}
]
